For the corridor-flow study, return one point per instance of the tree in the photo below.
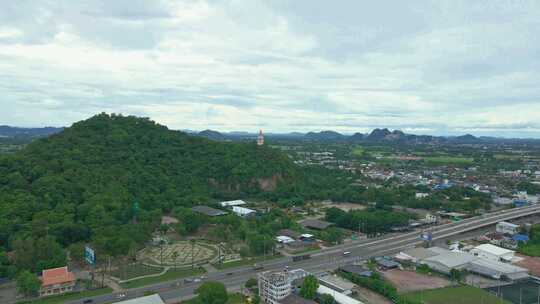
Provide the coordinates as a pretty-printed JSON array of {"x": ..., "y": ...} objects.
[
  {"x": 28, "y": 283},
  {"x": 309, "y": 287},
  {"x": 252, "y": 282},
  {"x": 212, "y": 293},
  {"x": 327, "y": 299},
  {"x": 456, "y": 274}
]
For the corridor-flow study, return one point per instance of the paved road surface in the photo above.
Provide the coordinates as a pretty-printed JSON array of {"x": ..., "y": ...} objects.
[{"x": 328, "y": 259}]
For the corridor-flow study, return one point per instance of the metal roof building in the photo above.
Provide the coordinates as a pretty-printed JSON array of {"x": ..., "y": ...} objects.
[
  {"x": 232, "y": 203},
  {"x": 315, "y": 224},
  {"x": 241, "y": 211},
  {"x": 492, "y": 252},
  {"x": 445, "y": 262},
  {"x": 152, "y": 299},
  {"x": 497, "y": 270},
  {"x": 339, "y": 297},
  {"x": 208, "y": 210}
]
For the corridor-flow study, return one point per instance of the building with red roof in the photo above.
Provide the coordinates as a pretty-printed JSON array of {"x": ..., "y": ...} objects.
[{"x": 56, "y": 281}]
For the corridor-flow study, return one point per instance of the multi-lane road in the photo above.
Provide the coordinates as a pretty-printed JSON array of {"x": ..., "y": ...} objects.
[{"x": 327, "y": 259}]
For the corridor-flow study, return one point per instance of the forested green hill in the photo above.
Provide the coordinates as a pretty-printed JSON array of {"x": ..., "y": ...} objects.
[{"x": 81, "y": 185}]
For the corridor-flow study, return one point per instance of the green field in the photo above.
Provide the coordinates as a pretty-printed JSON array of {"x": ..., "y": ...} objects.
[
  {"x": 358, "y": 151},
  {"x": 70, "y": 296},
  {"x": 125, "y": 272},
  {"x": 457, "y": 295},
  {"x": 169, "y": 275},
  {"x": 520, "y": 292},
  {"x": 442, "y": 160}
]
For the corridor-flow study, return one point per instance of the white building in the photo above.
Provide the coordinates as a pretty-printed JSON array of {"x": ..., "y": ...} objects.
[
  {"x": 339, "y": 297},
  {"x": 275, "y": 286},
  {"x": 420, "y": 195},
  {"x": 232, "y": 203},
  {"x": 507, "y": 228},
  {"x": 493, "y": 253},
  {"x": 283, "y": 239},
  {"x": 243, "y": 212}
]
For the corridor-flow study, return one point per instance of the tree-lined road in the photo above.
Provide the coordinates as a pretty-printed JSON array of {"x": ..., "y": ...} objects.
[{"x": 327, "y": 259}]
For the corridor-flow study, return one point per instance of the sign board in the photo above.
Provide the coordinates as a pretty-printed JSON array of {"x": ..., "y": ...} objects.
[
  {"x": 89, "y": 255},
  {"x": 426, "y": 236}
]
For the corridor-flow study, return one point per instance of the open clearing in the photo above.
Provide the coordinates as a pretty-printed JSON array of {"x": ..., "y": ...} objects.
[
  {"x": 408, "y": 281},
  {"x": 531, "y": 263},
  {"x": 457, "y": 295}
]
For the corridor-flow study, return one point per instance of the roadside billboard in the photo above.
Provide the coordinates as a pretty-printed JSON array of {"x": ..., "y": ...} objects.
[{"x": 89, "y": 255}]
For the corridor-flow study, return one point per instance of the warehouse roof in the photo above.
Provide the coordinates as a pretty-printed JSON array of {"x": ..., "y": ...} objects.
[
  {"x": 496, "y": 250},
  {"x": 152, "y": 299},
  {"x": 232, "y": 203},
  {"x": 452, "y": 259},
  {"x": 208, "y": 210},
  {"x": 503, "y": 268},
  {"x": 419, "y": 253},
  {"x": 316, "y": 224},
  {"x": 339, "y": 297}
]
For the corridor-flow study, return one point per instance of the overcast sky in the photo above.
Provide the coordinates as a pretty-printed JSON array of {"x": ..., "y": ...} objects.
[{"x": 426, "y": 67}]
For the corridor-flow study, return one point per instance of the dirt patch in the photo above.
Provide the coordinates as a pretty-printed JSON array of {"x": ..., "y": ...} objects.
[
  {"x": 407, "y": 281},
  {"x": 346, "y": 206},
  {"x": 531, "y": 263}
]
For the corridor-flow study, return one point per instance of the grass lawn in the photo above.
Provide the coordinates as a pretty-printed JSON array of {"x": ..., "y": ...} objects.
[
  {"x": 125, "y": 272},
  {"x": 460, "y": 294},
  {"x": 71, "y": 296},
  {"x": 442, "y": 160},
  {"x": 245, "y": 262},
  {"x": 169, "y": 275}
]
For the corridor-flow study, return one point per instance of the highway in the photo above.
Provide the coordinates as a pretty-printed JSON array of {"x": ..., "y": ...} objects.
[{"x": 323, "y": 260}]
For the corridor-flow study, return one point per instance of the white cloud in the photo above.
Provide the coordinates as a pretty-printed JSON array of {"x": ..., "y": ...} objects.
[{"x": 436, "y": 67}]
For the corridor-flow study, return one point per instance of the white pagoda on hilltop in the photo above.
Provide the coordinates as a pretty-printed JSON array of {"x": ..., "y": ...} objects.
[{"x": 260, "y": 138}]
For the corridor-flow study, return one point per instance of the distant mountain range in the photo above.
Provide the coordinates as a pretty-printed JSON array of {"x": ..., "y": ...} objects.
[
  {"x": 377, "y": 135},
  {"x": 15, "y": 132}
]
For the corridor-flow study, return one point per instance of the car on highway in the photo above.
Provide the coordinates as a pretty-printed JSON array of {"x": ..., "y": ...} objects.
[
  {"x": 88, "y": 301},
  {"x": 229, "y": 273},
  {"x": 120, "y": 295},
  {"x": 345, "y": 253}
]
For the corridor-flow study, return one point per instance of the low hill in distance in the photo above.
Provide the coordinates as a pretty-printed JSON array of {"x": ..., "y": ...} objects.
[{"x": 109, "y": 178}]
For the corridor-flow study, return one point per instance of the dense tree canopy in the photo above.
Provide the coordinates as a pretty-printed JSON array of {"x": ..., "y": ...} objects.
[
  {"x": 108, "y": 179},
  {"x": 212, "y": 293}
]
